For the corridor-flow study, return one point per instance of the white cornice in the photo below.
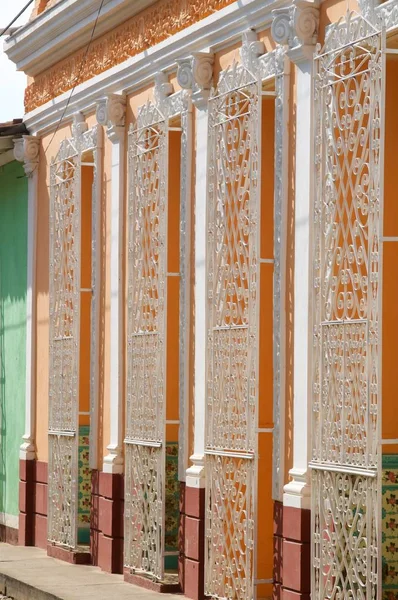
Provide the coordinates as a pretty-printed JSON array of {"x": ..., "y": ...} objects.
[
  {"x": 212, "y": 33},
  {"x": 64, "y": 28}
]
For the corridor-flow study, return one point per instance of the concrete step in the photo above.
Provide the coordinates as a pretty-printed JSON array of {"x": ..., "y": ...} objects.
[{"x": 29, "y": 574}]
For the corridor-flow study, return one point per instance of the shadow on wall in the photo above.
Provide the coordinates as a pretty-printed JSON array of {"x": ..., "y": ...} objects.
[{"x": 13, "y": 265}]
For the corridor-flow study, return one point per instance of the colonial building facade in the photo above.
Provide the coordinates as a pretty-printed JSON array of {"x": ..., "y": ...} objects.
[
  {"x": 15, "y": 320},
  {"x": 213, "y": 293}
]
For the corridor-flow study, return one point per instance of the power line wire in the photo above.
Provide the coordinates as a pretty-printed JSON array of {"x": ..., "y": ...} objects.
[
  {"x": 77, "y": 78},
  {"x": 15, "y": 18}
]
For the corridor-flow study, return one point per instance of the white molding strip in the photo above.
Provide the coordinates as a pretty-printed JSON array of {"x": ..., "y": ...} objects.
[
  {"x": 26, "y": 150},
  {"x": 41, "y": 43},
  {"x": 195, "y": 474},
  {"x": 9, "y": 520},
  {"x": 27, "y": 449},
  {"x": 297, "y": 491},
  {"x": 111, "y": 113},
  {"x": 227, "y": 25}
]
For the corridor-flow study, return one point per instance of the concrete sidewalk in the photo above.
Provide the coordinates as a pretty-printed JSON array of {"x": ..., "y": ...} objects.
[{"x": 29, "y": 574}]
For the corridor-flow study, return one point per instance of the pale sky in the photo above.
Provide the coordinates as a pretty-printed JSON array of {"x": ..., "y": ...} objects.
[{"x": 13, "y": 83}]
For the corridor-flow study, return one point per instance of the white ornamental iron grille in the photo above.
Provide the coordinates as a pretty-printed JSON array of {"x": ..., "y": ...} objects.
[
  {"x": 346, "y": 405},
  {"x": 232, "y": 354},
  {"x": 65, "y": 269},
  {"x": 147, "y": 330}
]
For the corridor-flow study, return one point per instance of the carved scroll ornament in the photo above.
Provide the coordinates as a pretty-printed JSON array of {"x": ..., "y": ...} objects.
[{"x": 144, "y": 30}]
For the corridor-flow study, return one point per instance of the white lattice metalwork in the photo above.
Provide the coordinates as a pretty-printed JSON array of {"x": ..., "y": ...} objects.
[
  {"x": 147, "y": 326},
  {"x": 232, "y": 353},
  {"x": 349, "y": 96},
  {"x": 233, "y": 314},
  {"x": 65, "y": 268}
]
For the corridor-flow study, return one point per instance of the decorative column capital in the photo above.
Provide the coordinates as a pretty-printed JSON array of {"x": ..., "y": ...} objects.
[
  {"x": 251, "y": 50},
  {"x": 196, "y": 73},
  {"x": 26, "y": 151},
  {"x": 296, "y": 27},
  {"x": 79, "y": 125},
  {"x": 111, "y": 113},
  {"x": 163, "y": 88}
]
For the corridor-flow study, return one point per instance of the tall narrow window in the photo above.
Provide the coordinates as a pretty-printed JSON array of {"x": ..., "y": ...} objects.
[
  {"x": 153, "y": 428},
  {"x": 233, "y": 334},
  {"x": 73, "y": 344},
  {"x": 346, "y": 398}
]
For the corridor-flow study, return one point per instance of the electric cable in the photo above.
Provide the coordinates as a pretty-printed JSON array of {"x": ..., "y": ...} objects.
[
  {"x": 15, "y": 18},
  {"x": 77, "y": 78}
]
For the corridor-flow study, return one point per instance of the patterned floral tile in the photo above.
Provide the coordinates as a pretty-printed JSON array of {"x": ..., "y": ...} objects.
[
  {"x": 390, "y": 526},
  {"x": 84, "y": 506},
  {"x": 172, "y": 504}
]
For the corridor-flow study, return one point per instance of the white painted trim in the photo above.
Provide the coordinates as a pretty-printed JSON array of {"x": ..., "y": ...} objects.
[
  {"x": 96, "y": 275},
  {"x": 9, "y": 520},
  {"x": 195, "y": 475},
  {"x": 216, "y": 30},
  {"x": 65, "y": 28},
  {"x": 6, "y": 157},
  {"x": 113, "y": 462},
  {"x": 297, "y": 492},
  {"x": 27, "y": 449}
]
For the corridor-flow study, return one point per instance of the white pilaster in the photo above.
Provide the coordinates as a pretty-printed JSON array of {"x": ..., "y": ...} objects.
[
  {"x": 196, "y": 73},
  {"x": 26, "y": 150},
  {"x": 111, "y": 113},
  {"x": 297, "y": 28},
  {"x": 297, "y": 492}
]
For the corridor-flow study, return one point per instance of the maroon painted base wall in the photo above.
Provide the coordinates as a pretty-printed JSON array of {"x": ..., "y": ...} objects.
[
  {"x": 291, "y": 532},
  {"x": 292, "y": 553},
  {"x": 192, "y": 528},
  {"x": 106, "y": 540},
  {"x": 33, "y": 479},
  {"x": 107, "y": 516}
]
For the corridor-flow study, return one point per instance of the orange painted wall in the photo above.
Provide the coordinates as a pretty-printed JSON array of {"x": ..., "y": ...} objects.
[
  {"x": 265, "y": 440},
  {"x": 87, "y": 176},
  {"x": 173, "y": 287},
  {"x": 331, "y": 11}
]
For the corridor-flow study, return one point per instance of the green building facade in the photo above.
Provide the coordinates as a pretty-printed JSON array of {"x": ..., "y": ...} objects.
[{"x": 13, "y": 284}]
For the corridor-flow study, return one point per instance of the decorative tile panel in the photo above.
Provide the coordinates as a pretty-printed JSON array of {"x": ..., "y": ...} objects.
[
  {"x": 389, "y": 512},
  {"x": 84, "y": 487}
]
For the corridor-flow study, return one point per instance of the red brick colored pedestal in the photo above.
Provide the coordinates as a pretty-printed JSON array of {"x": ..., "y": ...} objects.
[
  {"x": 26, "y": 502},
  {"x": 107, "y": 513},
  {"x": 296, "y": 554},
  {"x": 193, "y": 534},
  {"x": 33, "y": 477}
]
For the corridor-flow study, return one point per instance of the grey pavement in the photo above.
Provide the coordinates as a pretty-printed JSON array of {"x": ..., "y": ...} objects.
[{"x": 29, "y": 574}]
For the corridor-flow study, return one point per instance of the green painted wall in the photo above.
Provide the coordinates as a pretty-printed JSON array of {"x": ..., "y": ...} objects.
[{"x": 13, "y": 265}]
